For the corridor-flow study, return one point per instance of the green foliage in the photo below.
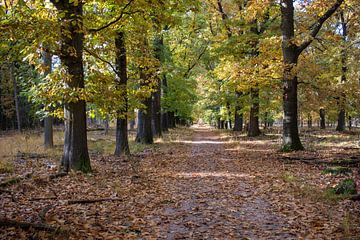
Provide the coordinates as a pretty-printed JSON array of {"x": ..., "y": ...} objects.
[
  {"x": 6, "y": 166},
  {"x": 337, "y": 170},
  {"x": 346, "y": 187}
]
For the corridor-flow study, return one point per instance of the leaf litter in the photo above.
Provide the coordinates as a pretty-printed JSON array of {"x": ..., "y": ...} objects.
[{"x": 196, "y": 184}]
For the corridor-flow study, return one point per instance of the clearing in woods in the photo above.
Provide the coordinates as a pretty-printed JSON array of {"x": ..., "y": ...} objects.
[{"x": 197, "y": 183}]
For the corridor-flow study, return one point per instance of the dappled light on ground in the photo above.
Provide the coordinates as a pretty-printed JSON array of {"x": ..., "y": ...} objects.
[
  {"x": 212, "y": 174},
  {"x": 193, "y": 184}
]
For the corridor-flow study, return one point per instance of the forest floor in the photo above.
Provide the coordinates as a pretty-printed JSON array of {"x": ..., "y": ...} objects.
[{"x": 195, "y": 183}]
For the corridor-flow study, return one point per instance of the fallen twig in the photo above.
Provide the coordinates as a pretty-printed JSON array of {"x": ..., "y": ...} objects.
[
  {"x": 25, "y": 225},
  {"x": 311, "y": 160},
  {"x": 58, "y": 175},
  {"x": 85, "y": 201},
  {"x": 42, "y": 213},
  {"x": 355, "y": 197},
  {"x": 14, "y": 180},
  {"x": 42, "y": 198}
]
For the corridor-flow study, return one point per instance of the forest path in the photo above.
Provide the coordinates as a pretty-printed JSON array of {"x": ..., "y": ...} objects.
[
  {"x": 194, "y": 183},
  {"x": 212, "y": 194}
]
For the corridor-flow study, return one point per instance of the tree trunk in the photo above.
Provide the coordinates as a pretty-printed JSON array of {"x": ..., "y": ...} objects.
[
  {"x": 254, "y": 129},
  {"x": 341, "y": 121},
  {"x": 48, "y": 120},
  {"x": 341, "y": 101},
  {"x": 146, "y": 133},
  {"x": 16, "y": 98},
  {"x": 140, "y": 127},
  {"x": 291, "y": 139},
  {"x": 322, "y": 118},
  {"x": 156, "y": 104},
  {"x": 165, "y": 115},
  {"x": 48, "y": 132},
  {"x": 158, "y": 48},
  {"x": 76, "y": 154},
  {"x": 350, "y": 122},
  {"x": 132, "y": 124},
  {"x": 238, "y": 123},
  {"x": 106, "y": 125},
  {"x": 122, "y": 142},
  {"x": 309, "y": 123},
  {"x": 171, "y": 116}
]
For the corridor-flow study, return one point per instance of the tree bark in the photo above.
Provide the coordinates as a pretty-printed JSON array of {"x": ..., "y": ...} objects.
[
  {"x": 140, "y": 127},
  {"x": 75, "y": 154},
  {"x": 48, "y": 120},
  {"x": 291, "y": 52},
  {"x": 156, "y": 104},
  {"x": 122, "y": 142},
  {"x": 165, "y": 115},
  {"x": 171, "y": 116},
  {"x": 158, "y": 48},
  {"x": 238, "y": 122},
  {"x": 145, "y": 131},
  {"x": 341, "y": 101},
  {"x": 254, "y": 130},
  {"x": 16, "y": 97},
  {"x": 322, "y": 118},
  {"x": 309, "y": 123},
  {"x": 291, "y": 139}
]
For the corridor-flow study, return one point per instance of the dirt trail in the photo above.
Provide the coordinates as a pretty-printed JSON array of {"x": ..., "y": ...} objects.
[{"x": 212, "y": 197}]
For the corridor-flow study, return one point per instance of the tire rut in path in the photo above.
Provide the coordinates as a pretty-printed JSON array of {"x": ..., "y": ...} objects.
[{"x": 213, "y": 198}]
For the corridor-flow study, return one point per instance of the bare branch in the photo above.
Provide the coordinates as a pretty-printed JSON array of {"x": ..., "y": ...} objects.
[{"x": 315, "y": 28}]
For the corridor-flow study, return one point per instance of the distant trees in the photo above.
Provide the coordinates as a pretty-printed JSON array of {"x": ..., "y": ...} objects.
[{"x": 232, "y": 63}]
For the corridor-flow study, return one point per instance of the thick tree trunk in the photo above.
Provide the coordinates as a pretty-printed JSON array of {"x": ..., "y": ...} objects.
[
  {"x": 76, "y": 154},
  {"x": 254, "y": 129},
  {"x": 322, "y": 118},
  {"x": 122, "y": 142},
  {"x": 48, "y": 120},
  {"x": 291, "y": 139}
]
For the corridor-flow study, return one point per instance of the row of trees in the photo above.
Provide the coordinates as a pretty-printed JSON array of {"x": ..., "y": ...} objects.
[
  {"x": 269, "y": 58},
  {"x": 222, "y": 59},
  {"x": 103, "y": 58}
]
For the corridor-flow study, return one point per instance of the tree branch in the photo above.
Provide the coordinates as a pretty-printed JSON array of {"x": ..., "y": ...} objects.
[
  {"x": 114, "y": 21},
  {"x": 315, "y": 28},
  {"x": 101, "y": 59},
  {"x": 194, "y": 64}
]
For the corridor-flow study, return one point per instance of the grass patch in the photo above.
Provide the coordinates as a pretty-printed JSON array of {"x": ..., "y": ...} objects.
[
  {"x": 6, "y": 166},
  {"x": 337, "y": 170},
  {"x": 289, "y": 177}
]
